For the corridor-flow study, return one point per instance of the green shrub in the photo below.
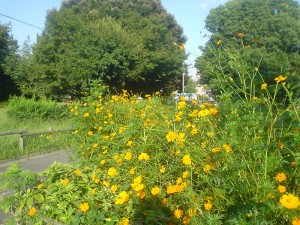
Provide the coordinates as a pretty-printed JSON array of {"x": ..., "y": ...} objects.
[
  {"x": 144, "y": 163},
  {"x": 22, "y": 108}
]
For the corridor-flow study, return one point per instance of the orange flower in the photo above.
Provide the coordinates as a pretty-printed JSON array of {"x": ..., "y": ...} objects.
[
  {"x": 240, "y": 34},
  {"x": 32, "y": 211},
  {"x": 208, "y": 206},
  {"x": 296, "y": 222},
  {"x": 281, "y": 189},
  {"x": 141, "y": 194},
  {"x": 280, "y": 177},
  {"x": 178, "y": 213}
]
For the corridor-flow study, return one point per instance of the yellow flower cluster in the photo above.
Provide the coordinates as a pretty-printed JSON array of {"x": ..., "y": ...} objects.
[{"x": 122, "y": 198}]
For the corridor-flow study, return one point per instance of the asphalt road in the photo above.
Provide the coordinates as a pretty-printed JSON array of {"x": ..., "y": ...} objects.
[{"x": 35, "y": 163}]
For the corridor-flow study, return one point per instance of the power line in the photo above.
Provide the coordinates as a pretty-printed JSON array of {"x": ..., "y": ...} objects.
[{"x": 21, "y": 21}]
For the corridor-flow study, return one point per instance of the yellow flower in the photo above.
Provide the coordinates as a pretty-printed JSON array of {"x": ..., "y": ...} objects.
[
  {"x": 227, "y": 147},
  {"x": 40, "y": 186},
  {"x": 264, "y": 86},
  {"x": 280, "y": 177},
  {"x": 114, "y": 188},
  {"x": 186, "y": 160},
  {"x": 138, "y": 179},
  {"x": 179, "y": 180},
  {"x": 132, "y": 170},
  {"x": 290, "y": 201},
  {"x": 128, "y": 156},
  {"x": 144, "y": 156},
  {"x": 181, "y": 105},
  {"x": 216, "y": 149},
  {"x": 112, "y": 172},
  {"x": 147, "y": 122},
  {"x": 182, "y": 98},
  {"x": 84, "y": 207},
  {"x": 102, "y": 162},
  {"x": 296, "y": 222},
  {"x": 293, "y": 163},
  {"x": 86, "y": 115},
  {"x": 180, "y": 139},
  {"x": 281, "y": 189},
  {"x": 155, "y": 191},
  {"x": 171, "y": 189},
  {"x": 280, "y": 78},
  {"x": 203, "y": 113},
  {"x": 213, "y": 111},
  {"x": 129, "y": 143},
  {"x": 105, "y": 183},
  {"x": 219, "y": 42},
  {"x": 188, "y": 125},
  {"x": 77, "y": 172},
  {"x": 64, "y": 182},
  {"x": 124, "y": 221},
  {"x": 181, "y": 47},
  {"x": 208, "y": 206},
  {"x": 194, "y": 131},
  {"x": 185, "y": 174},
  {"x": 207, "y": 168},
  {"x": 162, "y": 169},
  {"x": 93, "y": 191},
  {"x": 95, "y": 145},
  {"x": 32, "y": 211},
  {"x": 121, "y": 129},
  {"x": 178, "y": 213},
  {"x": 186, "y": 220},
  {"x": 164, "y": 202},
  {"x": 171, "y": 136},
  {"x": 122, "y": 198},
  {"x": 137, "y": 187},
  {"x": 90, "y": 133},
  {"x": 210, "y": 134}
]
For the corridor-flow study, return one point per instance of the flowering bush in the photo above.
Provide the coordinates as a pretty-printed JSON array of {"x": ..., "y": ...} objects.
[{"x": 144, "y": 162}]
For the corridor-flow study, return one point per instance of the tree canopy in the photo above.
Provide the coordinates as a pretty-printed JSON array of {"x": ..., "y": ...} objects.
[
  {"x": 124, "y": 44},
  {"x": 263, "y": 34},
  {"x": 8, "y": 47}
]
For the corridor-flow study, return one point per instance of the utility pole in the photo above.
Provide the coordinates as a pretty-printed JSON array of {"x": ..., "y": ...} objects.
[{"x": 183, "y": 82}]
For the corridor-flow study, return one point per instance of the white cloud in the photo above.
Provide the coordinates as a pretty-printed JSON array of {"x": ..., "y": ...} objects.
[
  {"x": 210, "y": 3},
  {"x": 202, "y": 5}
]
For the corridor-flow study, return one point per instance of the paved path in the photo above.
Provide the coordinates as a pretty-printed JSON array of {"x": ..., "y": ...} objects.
[{"x": 36, "y": 163}]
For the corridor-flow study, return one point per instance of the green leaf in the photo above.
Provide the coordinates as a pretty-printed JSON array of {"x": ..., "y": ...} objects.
[
  {"x": 39, "y": 197},
  {"x": 100, "y": 216},
  {"x": 29, "y": 202}
]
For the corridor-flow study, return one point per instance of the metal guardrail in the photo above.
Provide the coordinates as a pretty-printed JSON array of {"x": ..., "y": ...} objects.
[{"x": 24, "y": 133}]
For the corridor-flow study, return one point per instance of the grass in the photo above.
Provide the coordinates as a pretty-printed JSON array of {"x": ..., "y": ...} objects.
[{"x": 9, "y": 145}]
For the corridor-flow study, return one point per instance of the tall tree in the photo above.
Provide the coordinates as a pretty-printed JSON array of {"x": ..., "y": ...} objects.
[
  {"x": 8, "y": 47},
  {"x": 262, "y": 33},
  {"x": 125, "y": 44}
]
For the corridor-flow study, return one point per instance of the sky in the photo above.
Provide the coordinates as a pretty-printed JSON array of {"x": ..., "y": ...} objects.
[{"x": 189, "y": 14}]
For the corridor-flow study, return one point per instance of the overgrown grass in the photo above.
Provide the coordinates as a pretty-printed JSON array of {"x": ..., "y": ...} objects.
[{"x": 9, "y": 145}]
